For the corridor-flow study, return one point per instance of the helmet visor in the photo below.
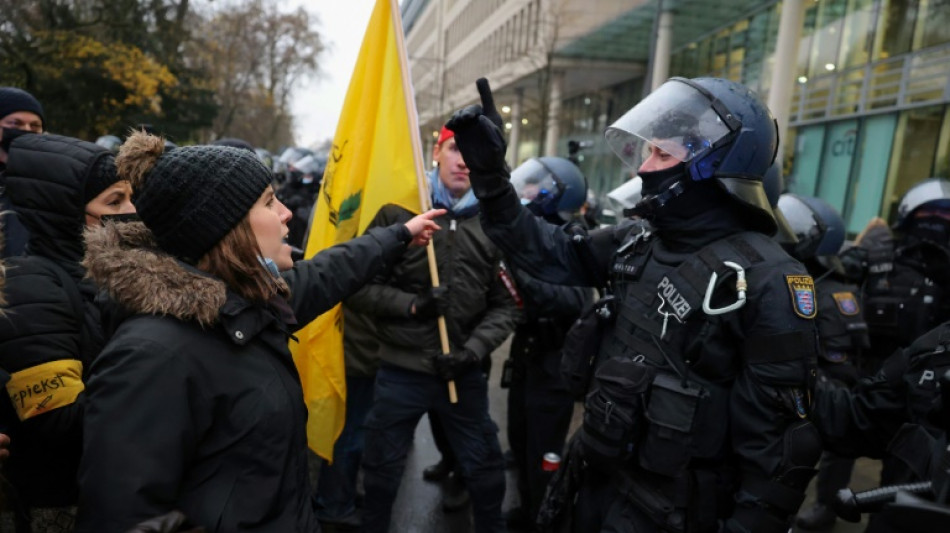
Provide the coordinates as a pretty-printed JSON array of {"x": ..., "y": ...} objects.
[
  {"x": 534, "y": 182},
  {"x": 676, "y": 118},
  {"x": 627, "y": 195}
]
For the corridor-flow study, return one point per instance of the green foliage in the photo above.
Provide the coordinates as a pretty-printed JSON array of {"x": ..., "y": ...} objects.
[{"x": 104, "y": 66}]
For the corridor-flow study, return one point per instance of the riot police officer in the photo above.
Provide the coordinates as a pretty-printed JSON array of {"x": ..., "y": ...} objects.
[
  {"x": 540, "y": 406},
  {"x": 906, "y": 275},
  {"x": 697, "y": 419},
  {"x": 842, "y": 331}
]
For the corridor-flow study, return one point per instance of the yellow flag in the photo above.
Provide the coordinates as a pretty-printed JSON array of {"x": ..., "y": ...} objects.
[{"x": 375, "y": 160}]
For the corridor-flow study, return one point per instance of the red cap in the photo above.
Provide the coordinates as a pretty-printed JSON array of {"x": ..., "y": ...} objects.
[{"x": 445, "y": 134}]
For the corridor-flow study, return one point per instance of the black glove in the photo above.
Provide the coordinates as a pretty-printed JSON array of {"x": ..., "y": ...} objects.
[
  {"x": 453, "y": 365},
  {"x": 478, "y": 134},
  {"x": 431, "y": 303}
]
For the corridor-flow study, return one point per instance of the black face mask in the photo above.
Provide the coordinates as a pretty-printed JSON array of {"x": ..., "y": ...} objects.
[
  {"x": 934, "y": 229},
  {"x": 660, "y": 180},
  {"x": 117, "y": 217}
]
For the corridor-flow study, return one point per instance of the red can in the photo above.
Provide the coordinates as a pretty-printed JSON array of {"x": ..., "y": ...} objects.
[{"x": 550, "y": 462}]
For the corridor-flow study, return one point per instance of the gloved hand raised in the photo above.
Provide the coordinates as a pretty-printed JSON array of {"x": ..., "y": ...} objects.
[
  {"x": 430, "y": 303},
  {"x": 453, "y": 365},
  {"x": 478, "y": 134}
]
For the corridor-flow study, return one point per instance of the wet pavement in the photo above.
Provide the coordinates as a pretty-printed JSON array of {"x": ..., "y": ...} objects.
[{"x": 418, "y": 507}]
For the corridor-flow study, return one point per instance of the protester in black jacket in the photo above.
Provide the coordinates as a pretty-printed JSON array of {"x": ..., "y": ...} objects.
[
  {"x": 58, "y": 186},
  {"x": 195, "y": 404},
  {"x": 19, "y": 111}
]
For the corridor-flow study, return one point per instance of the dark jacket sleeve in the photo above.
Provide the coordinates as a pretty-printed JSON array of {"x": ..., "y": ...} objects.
[
  {"x": 860, "y": 422},
  {"x": 544, "y": 250},
  {"x": 139, "y": 431},
  {"x": 497, "y": 323},
  {"x": 546, "y": 300},
  {"x": 40, "y": 326},
  {"x": 378, "y": 298},
  {"x": 334, "y": 274},
  {"x": 776, "y": 445}
]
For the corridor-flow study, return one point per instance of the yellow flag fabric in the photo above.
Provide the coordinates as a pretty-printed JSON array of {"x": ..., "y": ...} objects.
[{"x": 372, "y": 163}]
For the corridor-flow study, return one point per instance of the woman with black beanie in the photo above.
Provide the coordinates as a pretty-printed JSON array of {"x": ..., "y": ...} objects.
[{"x": 195, "y": 405}]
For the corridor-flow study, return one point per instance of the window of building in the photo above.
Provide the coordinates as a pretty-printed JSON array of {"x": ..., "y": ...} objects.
[
  {"x": 857, "y": 33},
  {"x": 933, "y": 25},
  {"x": 803, "y": 179},
  {"x": 837, "y": 156},
  {"x": 895, "y": 28},
  {"x": 827, "y": 37},
  {"x": 869, "y": 173},
  {"x": 914, "y": 153}
]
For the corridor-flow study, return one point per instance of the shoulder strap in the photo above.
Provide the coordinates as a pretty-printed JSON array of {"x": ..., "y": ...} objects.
[{"x": 691, "y": 278}]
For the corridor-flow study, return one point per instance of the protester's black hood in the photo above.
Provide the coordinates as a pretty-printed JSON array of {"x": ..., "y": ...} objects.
[{"x": 45, "y": 180}]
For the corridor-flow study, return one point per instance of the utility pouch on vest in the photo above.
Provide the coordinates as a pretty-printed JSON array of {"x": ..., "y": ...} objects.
[
  {"x": 613, "y": 412},
  {"x": 682, "y": 423},
  {"x": 581, "y": 344}
]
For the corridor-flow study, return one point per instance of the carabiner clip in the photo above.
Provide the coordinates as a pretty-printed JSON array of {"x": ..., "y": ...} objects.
[{"x": 741, "y": 287}]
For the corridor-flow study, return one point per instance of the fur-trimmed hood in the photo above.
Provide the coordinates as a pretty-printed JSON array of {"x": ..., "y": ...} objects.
[{"x": 124, "y": 260}]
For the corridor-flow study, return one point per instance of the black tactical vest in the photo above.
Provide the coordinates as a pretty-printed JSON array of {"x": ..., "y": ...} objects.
[
  {"x": 661, "y": 322},
  {"x": 901, "y": 303}
]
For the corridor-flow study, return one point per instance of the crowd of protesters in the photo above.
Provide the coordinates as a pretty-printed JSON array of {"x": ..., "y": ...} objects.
[{"x": 149, "y": 293}]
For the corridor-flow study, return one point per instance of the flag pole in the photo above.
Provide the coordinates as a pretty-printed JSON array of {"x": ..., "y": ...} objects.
[{"x": 420, "y": 170}]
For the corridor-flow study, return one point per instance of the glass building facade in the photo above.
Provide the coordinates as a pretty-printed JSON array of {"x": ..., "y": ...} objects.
[{"x": 870, "y": 112}]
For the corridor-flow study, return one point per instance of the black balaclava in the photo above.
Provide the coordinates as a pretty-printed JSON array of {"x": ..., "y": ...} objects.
[
  {"x": 933, "y": 229},
  {"x": 660, "y": 180}
]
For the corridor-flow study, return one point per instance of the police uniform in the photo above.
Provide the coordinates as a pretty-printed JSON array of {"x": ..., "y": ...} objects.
[
  {"x": 905, "y": 292},
  {"x": 843, "y": 333},
  {"x": 891, "y": 415},
  {"x": 697, "y": 418}
]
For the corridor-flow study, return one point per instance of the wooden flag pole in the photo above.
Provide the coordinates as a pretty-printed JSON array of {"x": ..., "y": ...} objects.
[{"x": 424, "y": 202}]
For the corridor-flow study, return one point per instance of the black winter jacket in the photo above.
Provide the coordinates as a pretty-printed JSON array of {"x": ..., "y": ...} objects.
[
  {"x": 51, "y": 323},
  {"x": 482, "y": 312},
  {"x": 195, "y": 403}
]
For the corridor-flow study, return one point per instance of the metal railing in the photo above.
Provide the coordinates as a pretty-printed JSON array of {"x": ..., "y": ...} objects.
[{"x": 910, "y": 80}]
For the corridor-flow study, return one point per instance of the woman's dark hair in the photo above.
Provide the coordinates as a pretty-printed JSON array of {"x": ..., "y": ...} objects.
[{"x": 235, "y": 261}]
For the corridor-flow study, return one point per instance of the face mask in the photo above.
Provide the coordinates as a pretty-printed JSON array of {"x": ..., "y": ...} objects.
[
  {"x": 270, "y": 265},
  {"x": 660, "y": 180},
  {"x": 118, "y": 218},
  {"x": 934, "y": 229}
]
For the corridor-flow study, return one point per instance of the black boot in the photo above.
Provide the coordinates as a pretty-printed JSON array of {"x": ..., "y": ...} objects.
[{"x": 437, "y": 472}]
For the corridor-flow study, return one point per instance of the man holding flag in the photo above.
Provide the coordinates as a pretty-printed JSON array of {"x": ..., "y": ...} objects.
[{"x": 480, "y": 314}]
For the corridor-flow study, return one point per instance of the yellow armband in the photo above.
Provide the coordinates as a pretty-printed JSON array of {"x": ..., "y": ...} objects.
[{"x": 38, "y": 389}]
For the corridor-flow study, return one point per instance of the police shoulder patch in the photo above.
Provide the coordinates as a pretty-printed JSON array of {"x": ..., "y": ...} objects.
[
  {"x": 802, "y": 289},
  {"x": 847, "y": 303}
]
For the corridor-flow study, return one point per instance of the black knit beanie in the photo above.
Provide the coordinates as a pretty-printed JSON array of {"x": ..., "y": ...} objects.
[
  {"x": 101, "y": 176},
  {"x": 194, "y": 195},
  {"x": 13, "y": 100}
]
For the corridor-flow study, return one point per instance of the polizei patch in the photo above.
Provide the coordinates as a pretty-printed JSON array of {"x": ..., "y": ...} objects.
[
  {"x": 673, "y": 299},
  {"x": 803, "y": 295},
  {"x": 847, "y": 303}
]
